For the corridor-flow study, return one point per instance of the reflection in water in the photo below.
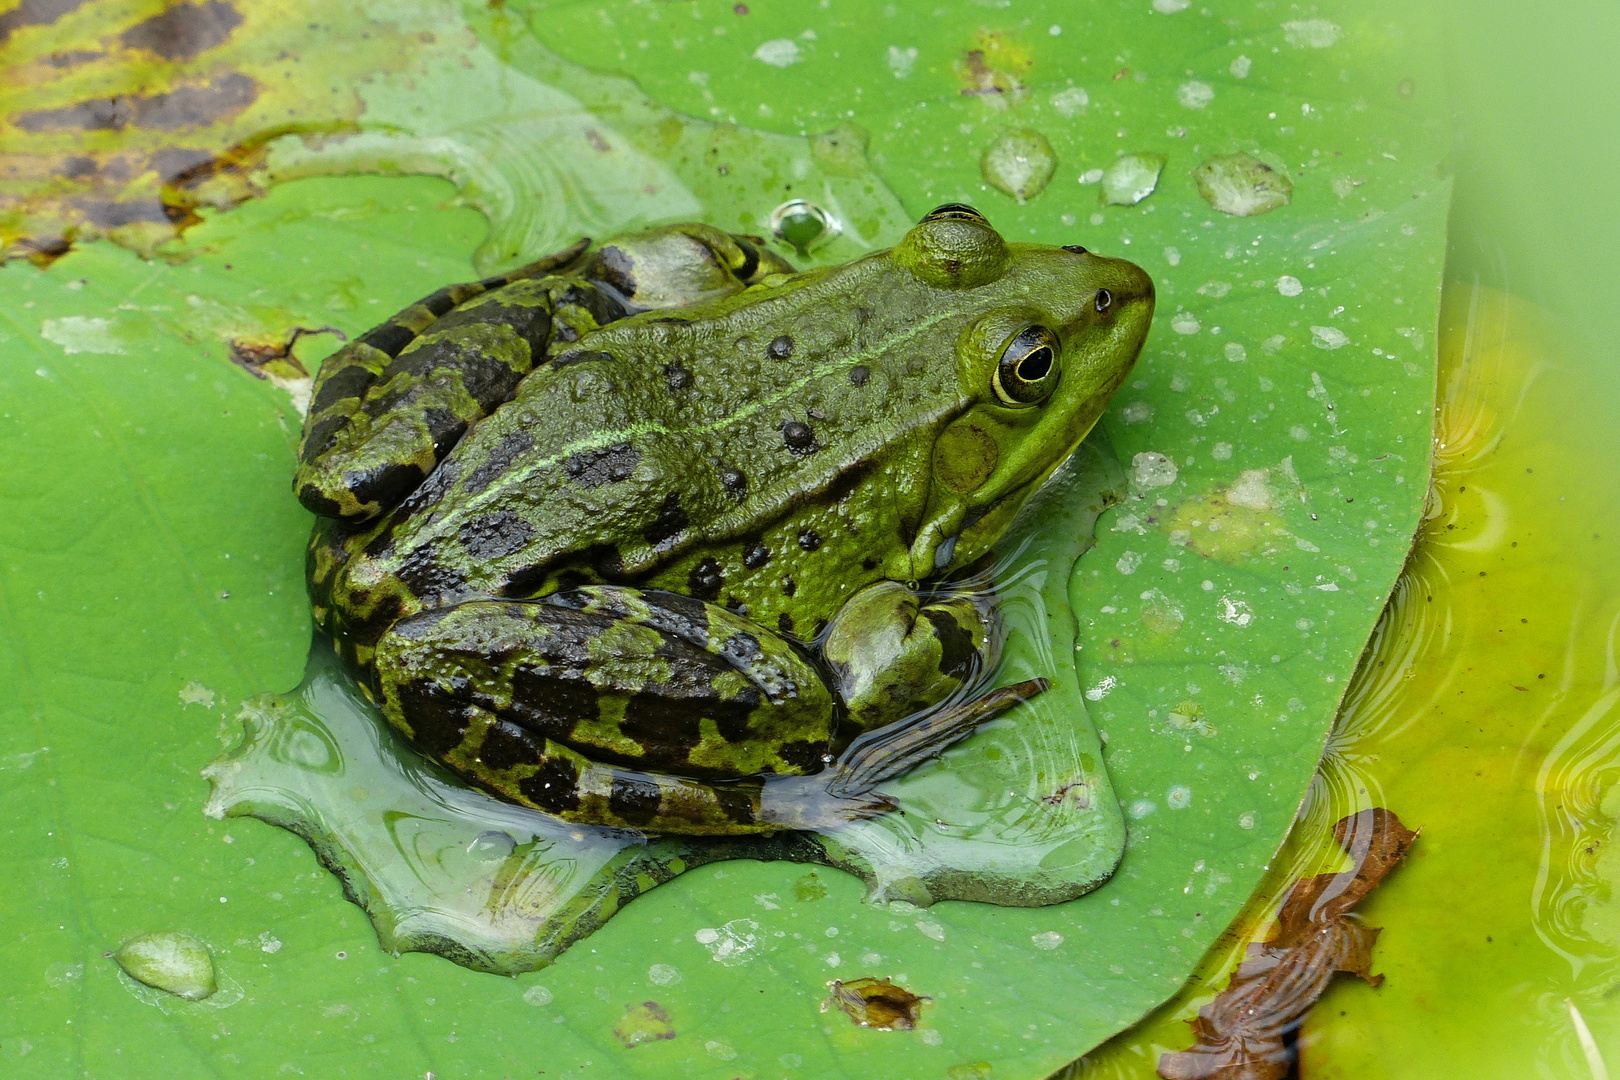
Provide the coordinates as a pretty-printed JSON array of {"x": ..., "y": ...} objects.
[
  {"x": 1022, "y": 814},
  {"x": 1485, "y": 711}
]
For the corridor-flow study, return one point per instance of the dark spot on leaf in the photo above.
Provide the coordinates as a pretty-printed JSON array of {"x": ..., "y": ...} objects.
[
  {"x": 182, "y": 107},
  {"x": 184, "y": 30},
  {"x": 35, "y": 13},
  {"x": 647, "y": 1022}
]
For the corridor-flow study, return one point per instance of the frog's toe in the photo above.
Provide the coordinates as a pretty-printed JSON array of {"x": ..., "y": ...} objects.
[
  {"x": 805, "y": 803},
  {"x": 891, "y": 751}
]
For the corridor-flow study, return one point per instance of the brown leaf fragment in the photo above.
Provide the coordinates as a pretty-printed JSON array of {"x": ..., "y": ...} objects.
[
  {"x": 876, "y": 1003},
  {"x": 1241, "y": 1034}
]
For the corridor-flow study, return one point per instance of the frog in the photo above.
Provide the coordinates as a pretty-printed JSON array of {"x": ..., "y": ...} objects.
[{"x": 663, "y": 535}]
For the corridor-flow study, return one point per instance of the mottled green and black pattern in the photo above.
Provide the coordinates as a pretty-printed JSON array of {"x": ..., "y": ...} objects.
[
  {"x": 756, "y": 476},
  {"x": 387, "y": 405}
]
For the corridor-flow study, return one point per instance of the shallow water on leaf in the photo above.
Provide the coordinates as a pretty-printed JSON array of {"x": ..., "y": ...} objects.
[{"x": 1021, "y": 814}]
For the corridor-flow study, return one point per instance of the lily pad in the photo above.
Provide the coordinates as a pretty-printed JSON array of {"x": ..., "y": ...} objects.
[{"x": 151, "y": 578}]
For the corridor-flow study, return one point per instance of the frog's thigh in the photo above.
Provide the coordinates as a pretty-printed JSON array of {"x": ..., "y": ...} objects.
[
  {"x": 893, "y": 655},
  {"x": 640, "y": 679}
]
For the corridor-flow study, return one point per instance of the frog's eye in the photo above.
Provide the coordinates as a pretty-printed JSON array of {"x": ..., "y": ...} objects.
[
  {"x": 954, "y": 211},
  {"x": 1028, "y": 370}
]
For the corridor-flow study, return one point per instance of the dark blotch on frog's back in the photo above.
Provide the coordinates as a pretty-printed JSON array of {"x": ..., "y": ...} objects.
[
  {"x": 495, "y": 535},
  {"x": 799, "y": 436},
  {"x": 610, "y": 465},
  {"x": 505, "y": 745},
  {"x": 429, "y": 577},
  {"x": 809, "y": 539},
  {"x": 859, "y": 374},
  {"x": 780, "y": 348},
  {"x": 554, "y": 786},
  {"x": 581, "y": 356},
  {"x": 738, "y": 799},
  {"x": 668, "y": 525},
  {"x": 385, "y": 484},
  {"x": 438, "y": 720},
  {"x": 756, "y": 555},
  {"x": 734, "y": 481},
  {"x": 501, "y": 457},
  {"x": 706, "y": 580},
  {"x": 633, "y": 799}
]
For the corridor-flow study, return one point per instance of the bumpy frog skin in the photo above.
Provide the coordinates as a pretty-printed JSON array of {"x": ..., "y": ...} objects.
[{"x": 632, "y": 535}]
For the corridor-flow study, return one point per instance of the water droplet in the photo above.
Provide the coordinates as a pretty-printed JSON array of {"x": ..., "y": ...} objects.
[
  {"x": 1289, "y": 285},
  {"x": 1170, "y": 7},
  {"x": 1185, "y": 322},
  {"x": 931, "y": 929},
  {"x": 1195, "y": 94},
  {"x": 1310, "y": 33},
  {"x": 1131, "y": 179},
  {"x": 1328, "y": 337},
  {"x": 1048, "y": 941},
  {"x": 1019, "y": 163},
  {"x": 1179, "y": 797},
  {"x": 1241, "y": 67},
  {"x": 537, "y": 996},
  {"x": 176, "y": 963},
  {"x": 778, "y": 52},
  {"x": 901, "y": 61},
  {"x": 1071, "y": 102},
  {"x": 1151, "y": 469},
  {"x": 1236, "y": 353},
  {"x": 803, "y": 225},
  {"x": 1242, "y": 185},
  {"x": 663, "y": 975},
  {"x": 492, "y": 845},
  {"x": 1246, "y": 820}
]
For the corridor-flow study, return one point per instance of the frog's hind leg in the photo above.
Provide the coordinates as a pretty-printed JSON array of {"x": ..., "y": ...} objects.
[
  {"x": 389, "y": 405},
  {"x": 616, "y": 706}
]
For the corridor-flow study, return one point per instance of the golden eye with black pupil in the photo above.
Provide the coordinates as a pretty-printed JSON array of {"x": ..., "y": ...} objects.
[
  {"x": 955, "y": 211},
  {"x": 1028, "y": 370},
  {"x": 1105, "y": 300}
]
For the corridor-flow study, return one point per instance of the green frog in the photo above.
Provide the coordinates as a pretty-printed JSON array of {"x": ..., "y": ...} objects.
[{"x": 642, "y": 535}]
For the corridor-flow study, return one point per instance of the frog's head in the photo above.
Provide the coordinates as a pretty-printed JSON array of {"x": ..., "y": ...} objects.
[
  {"x": 1051, "y": 333},
  {"x": 679, "y": 265}
]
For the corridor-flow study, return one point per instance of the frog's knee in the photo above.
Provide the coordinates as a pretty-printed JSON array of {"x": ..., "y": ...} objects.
[{"x": 893, "y": 655}]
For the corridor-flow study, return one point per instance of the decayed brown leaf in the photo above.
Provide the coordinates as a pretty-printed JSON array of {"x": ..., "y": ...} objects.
[
  {"x": 876, "y": 1003},
  {"x": 1240, "y": 1033}
]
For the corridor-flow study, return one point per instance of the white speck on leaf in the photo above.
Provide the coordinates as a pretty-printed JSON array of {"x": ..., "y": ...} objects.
[
  {"x": 1328, "y": 337},
  {"x": 901, "y": 61},
  {"x": 1310, "y": 33},
  {"x": 1289, "y": 285},
  {"x": 1186, "y": 323},
  {"x": 1151, "y": 469},
  {"x": 1072, "y": 102},
  {"x": 778, "y": 52},
  {"x": 78, "y": 334},
  {"x": 1195, "y": 94}
]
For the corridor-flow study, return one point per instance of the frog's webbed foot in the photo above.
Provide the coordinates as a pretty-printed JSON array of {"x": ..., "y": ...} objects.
[
  {"x": 891, "y": 751},
  {"x": 845, "y": 792}
]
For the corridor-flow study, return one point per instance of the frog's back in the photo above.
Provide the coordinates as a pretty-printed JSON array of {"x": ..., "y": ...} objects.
[{"x": 660, "y": 434}]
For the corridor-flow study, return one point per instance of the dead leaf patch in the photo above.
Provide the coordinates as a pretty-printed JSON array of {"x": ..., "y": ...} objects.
[{"x": 1241, "y": 1033}]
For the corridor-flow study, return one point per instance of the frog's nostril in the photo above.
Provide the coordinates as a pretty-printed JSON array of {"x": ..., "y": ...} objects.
[{"x": 1075, "y": 249}]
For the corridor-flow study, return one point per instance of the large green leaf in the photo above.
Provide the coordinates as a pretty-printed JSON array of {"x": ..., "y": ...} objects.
[{"x": 151, "y": 567}]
